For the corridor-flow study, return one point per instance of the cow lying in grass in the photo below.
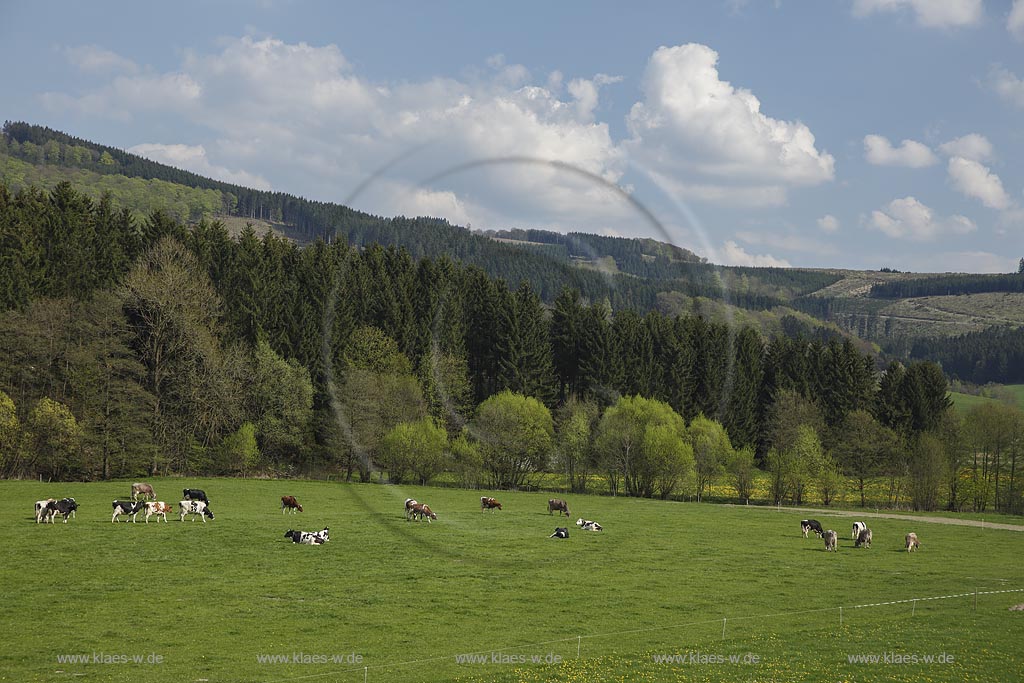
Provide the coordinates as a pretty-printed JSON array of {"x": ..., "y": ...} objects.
[
  {"x": 560, "y": 532},
  {"x": 159, "y": 508},
  {"x": 588, "y": 525},
  {"x": 194, "y": 507},
  {"x": 308, "y": 537}
]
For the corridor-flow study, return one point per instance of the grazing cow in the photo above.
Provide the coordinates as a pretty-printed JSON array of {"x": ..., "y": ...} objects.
[
  {"x": 160, "y": 509},
  {"x": 308, "y": 537},
  {"x": 289, "y": 503},
  {"x": 123, "y": 507},
  {"x": 195, "y": 494},
  {"x": 43, "y": 510},
  {"x": 857, "y": 528},
  {"x": 145, "y": 489},
  {"x": 560, "y": 532},
  {"x": 863, "y": 538},
  {"x": 814, "y": 525},
  {"x": 64, "y": 507},
  {"x": 559, "y": 505},
  {"x": 588, "y": 525},
  {"x": 912, "y": 542},
  {"x": 831, "y": 539},
  {"x": 410, "y": 503},
  {"x": 194, "y": 507},
  {"x": 421, "y": 510},
  {"x": 489, "y": 504}
]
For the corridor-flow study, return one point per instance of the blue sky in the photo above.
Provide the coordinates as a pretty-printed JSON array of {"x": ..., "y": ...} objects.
[{"x": 821, "y": 133}]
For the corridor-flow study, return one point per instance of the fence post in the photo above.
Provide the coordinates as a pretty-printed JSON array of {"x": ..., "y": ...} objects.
[
  {"x": 579, "y": 641},
  {"x": 840, "y": 617},
  {"x": 723, "y": 628},
  {"x": 366, "y": 671},
  {"x": 914, "y": 611},
  {"x": 975, "y": 599}
]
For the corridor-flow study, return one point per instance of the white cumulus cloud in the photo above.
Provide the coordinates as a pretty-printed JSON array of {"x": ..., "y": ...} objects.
[
  {"x": 95, "y": 59},
  {"x": 976, "y": 180},
  {"x": 1007, "y": 85},
  {"x": 1015, "y": 20},
  {"x": 880, "y": 152},
  {"x": 907, "y": 218},
  {"x": 193, "y": 158},
  {"x": 706, "y": 133},
  {"x": 972, "y": 146},
  {"x": 828, "y": 223},
  {"x": 929, "y": 13},
  {"x": 733, "y": 254}
]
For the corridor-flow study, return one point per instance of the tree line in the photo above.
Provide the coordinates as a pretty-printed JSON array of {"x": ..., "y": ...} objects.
[
  {"x": 948, "y": 285},
  {"x": 130, "y": 346}
]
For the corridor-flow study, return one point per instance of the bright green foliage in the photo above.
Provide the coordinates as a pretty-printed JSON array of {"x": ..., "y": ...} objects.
[
  {"x": 742, "y": 472},
  {"x": 927, "y": 472},
  {"x": 10, "y": 435},
  {"x": 238, "y": 453},
  {"x": 282, "y": 405},
  {"x": 711, "y": 451},
  {"x": 574, "y": 450},
  {"x": 52, "y": 440},
  {"x": 515, "y": 434},
  {"x": 636, "y": 446},
  {"x": 414, "y": 448}
]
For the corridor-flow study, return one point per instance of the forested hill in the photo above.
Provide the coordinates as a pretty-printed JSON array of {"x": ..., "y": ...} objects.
[{"x": 640, "y": 269}]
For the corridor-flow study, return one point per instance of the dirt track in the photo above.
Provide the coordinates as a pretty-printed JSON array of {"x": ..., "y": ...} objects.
[{"x": 889, "y": 515}]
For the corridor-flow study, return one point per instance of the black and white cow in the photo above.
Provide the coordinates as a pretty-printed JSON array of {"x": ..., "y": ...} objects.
[
  {"x": 308, "y": 537},
  {"x": 588, "y": 525},
  {"x": 857, "y": 528},
  {"x": 807, "y": 525},
  {"x": 43, "y": 510},
  {"x": 65, "y": 507},
  {"x": 194, "y": 507},
  {"x": 127, "y": 507},
  {"x": 195, "y": 494},
  {"x": 560, "y": 532}
]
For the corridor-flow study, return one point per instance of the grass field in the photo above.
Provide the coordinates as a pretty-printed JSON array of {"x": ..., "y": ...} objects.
[{"x": 407, "y": 598}]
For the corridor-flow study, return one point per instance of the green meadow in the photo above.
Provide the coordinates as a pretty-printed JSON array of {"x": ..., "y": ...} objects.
[{"x": 392, "y": 600}]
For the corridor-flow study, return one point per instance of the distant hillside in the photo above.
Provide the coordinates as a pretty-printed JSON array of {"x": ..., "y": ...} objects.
[{"x": 644, "y": 268}]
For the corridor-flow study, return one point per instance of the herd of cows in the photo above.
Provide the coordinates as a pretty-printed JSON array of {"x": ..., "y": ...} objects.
[
  {"x": 196, "y": 503},
  {"x": 861, "y": 536}
]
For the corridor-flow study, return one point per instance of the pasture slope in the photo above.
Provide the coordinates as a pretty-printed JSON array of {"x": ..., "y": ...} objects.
[{"x": 390, "y": 600}]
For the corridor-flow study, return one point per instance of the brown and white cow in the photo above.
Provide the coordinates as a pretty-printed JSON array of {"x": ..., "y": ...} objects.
[
  {"x": 559, "y": 505},
  {"x": 159, "y": 508},
  {"x": 145, "y": 490},
  {"x": 290, "y": 504},
  {"x": 418, "y": 511},
  {"x": 912, "y": 542},
  {"x": 831, "y": 539},
  {"x": 487, "y": 503}
]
